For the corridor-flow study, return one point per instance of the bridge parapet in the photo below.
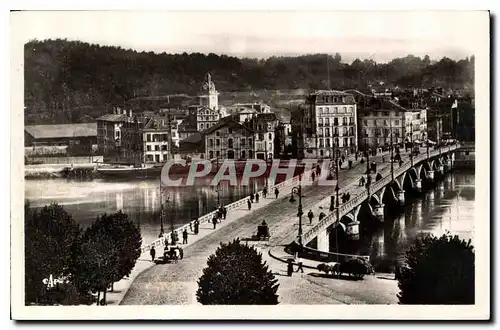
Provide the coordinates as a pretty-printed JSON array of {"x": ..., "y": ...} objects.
[{"x": 358, "y": 199}]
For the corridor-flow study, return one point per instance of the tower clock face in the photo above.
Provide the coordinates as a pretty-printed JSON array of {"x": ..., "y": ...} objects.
[{"x": 205, "y": 86}]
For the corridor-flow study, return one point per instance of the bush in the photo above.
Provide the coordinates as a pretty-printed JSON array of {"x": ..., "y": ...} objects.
[
  {"x": 236, "y": 275},
  {"x": 438, "y": 271}
]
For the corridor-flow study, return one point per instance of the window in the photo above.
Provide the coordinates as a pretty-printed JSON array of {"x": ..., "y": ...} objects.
[
  {"x": 211, "y": 142},
  {"x": 217, "y": 142},
  {"x": 250, "y": 142},
  {"x": 328, "y": 143},
  {"x": 157, "y": 148},
  {"x": 345, "y": 142},
  {"x": 321, "y": 122},
  {"x": 211, "y": 154},
  {"x": 345, "y": 131},
  {"x": 336, "y": 131},
  {"x": 351, "y": 131},
  {"x": 217, "y": 154},
  {"x": 243, "y": 154},
  {"x": 202, "y": 127},
  {"x": 230, "y": 143},
  {"x": 250, "y": 153},
  {"x": 397, "y": 122},
  {"x": 320, "y": 132},
  {"x": 164, "y": 147},
  {"x": 334, "y": 109},
  {"x": 148, "y": 148},
  {"x": 270, "y": 136},
  {"x": 230, "y": 130},
  {"x": 157, "y": 158},
  {"x": 321, "y": 153},
  {"x": 270, "y": 146},
  {"x": 365, "y": 122},
  {"x": 344, "y": 109},
  {"x": 335, "y": 121},
  {"x": 344, "y": 121},
  {"x": 350, "y": 110},
  {"x": 351, "y": 120},
  {"x": 261, "y": 137},
  {"x": 148, "y": 137},
  {"x": 320, "y": 109},
  {"x": 336, "y": 141},
  {"x": 327, "y": 121},
  {"x": 321, "y": 145},
  {"x": 327, "y": 132},
  {"x": 243, "y": 142},
  {"x": 327, "y": 110},
  {"x": 217, "y": 133}
]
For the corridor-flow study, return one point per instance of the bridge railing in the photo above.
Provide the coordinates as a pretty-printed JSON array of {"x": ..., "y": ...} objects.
[
  {"x": 160, "y": 242},
  {"x": 358, "y": 199}
]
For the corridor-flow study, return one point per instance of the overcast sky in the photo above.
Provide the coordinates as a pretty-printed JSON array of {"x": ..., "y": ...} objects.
[{"x": 378, "y": 35}]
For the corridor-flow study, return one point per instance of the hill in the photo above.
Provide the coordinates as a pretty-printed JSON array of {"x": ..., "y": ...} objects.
[{"x": 72, "y": 81}]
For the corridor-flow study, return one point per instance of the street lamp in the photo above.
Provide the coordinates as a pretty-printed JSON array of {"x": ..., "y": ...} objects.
[
  {"x": 298, "y": 191},
  {"x": 367, "y": 155},
  {"x": 411, "y": 144},
  {"x": 392, "y": 150}
]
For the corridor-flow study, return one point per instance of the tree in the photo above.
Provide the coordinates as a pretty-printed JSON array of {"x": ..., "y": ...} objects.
[
  {"x": 108, "y": 252},
  {"x": 438, "y": 271},
  {"x": 51, "y": 236},
  {"x": 236, "y": 275}
]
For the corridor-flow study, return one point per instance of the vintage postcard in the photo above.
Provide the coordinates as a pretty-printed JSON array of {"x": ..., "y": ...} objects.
[{"x": 250, "y": 165}]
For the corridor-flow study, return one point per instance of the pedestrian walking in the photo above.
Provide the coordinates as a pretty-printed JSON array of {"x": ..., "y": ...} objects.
[
  {"x": 214, "y": 221},
  {"x": 332, "y": 203},
  {"x": 378, "y": 177},
  {"x": 321, "y": 216},
  {"x": 185, "y": 236},
  {"x": 249, "y": 204},
  {"x": 264, "y": 192},
  {"x": 224, "y": 212},
  {"x": 289, "y": 268},
  {"x": 153, "y": 253},
  {"x": 181, "y": 253},
  {"x": 313, "y": 176},
  {"x": 400, "y": 162},
  {"x": 256, "y": 197},
  {"x": 196, "y": 227},
  {"x": 276, "y": 192},
  {"x": 356, "y": 156},
  {"x": 350, "y": 164},
  {"x": 310, "y": 215},
  {"x": 190, "y": 226},
  {"x": 172, "y": 238},
  {"x": 299, "y": 263},
  {"x": 348, "y": 197},
  {"x": 165, "y": 253},
  {"x": 176, "y": 237},
  {"x": 383, "y": 159}
]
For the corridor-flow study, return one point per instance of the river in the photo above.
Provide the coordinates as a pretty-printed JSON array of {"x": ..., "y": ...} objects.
[
  {"x": 447, "y": 207},
  {"x": 86, "y": 200}
]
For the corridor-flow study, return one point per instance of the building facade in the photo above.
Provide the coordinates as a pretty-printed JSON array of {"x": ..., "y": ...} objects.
[
  {"x": 146, "y": 140},
  {"x": 264, "y": 126},
  {"x": 229, "y": 139},
  {"x": 327, "y": 122},
  {"x": 109, "y": 135}
]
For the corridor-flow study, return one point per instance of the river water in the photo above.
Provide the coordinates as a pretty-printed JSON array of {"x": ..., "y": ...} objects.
[
  {"x": 447, "y": 207},
  {"x": 86, "y": 200}
]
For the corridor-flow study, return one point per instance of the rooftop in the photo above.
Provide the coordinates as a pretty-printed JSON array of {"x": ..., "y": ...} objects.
[
  {"x": 330, "y": 93},
  {"x": 225, "y": 122},
  {"x": 113, "y": 117},
  {"x": 62, "y": 130}
]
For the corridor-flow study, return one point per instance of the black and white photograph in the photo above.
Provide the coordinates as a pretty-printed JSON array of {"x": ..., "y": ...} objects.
[{"x": 332, "y": 164}]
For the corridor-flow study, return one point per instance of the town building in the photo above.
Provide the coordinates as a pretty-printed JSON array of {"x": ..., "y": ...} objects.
[
  {"x": 245, "y": 115},
  {"x": 264, "y": 126},
  {"x": 146, "y": 140},
  {"x": 257, "y": 106},
  {"x": 109, "y": 132},
  {"x": 326, "y": 122},
  {"x": 384, "y": 120},
  {"x": 61, "y": 135},
  {"x": 188, "y": 127},
  {"x": 229, "y": 139},
  {"x": 208, "y": 112}
]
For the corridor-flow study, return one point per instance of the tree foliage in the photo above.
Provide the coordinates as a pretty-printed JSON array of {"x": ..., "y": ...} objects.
[
  {"x": 108, "y": 251},
  {"x": 438, "y": 271},
  {"x": 51, "y": 237},
  {"x": 236, "y": 275},
  {"x": 71, "y": 81}
]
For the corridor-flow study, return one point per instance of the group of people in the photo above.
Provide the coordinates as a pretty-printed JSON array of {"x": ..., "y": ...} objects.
[
  {"x": 219, "y": 215},
  {"x": 254, "y": 197}
]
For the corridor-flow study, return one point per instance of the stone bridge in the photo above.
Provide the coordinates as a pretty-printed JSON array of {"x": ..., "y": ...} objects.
[{"x": 388, "y": 189}]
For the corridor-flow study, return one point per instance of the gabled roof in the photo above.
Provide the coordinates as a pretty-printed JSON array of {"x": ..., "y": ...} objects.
[
  {"x": 247, "y": 110},
  {"x": 270, "y": 116},
  {"x": 155, "y": 123},
  {"x": 113, "y": 117},
  {"x": 225, "y": 122},
  {"x": 62, "y": 131},
  {"x": 195, "y": 138}
]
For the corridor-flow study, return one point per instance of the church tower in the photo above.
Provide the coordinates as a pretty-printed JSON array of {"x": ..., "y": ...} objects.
[{"x": 210, "y": 97}]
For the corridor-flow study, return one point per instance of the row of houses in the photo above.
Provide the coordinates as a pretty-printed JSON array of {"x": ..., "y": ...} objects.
[{"x": 327, "y": 122}]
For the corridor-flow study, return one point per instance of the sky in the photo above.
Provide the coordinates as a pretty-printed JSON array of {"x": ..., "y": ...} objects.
[{"x": 377, "y": 35}]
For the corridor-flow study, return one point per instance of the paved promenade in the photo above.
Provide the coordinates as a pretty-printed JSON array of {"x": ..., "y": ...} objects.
[{"x": 176, "y": 283}]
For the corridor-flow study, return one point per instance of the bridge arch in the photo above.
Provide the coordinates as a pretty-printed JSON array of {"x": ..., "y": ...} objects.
[
  {"x": 389, "y": 195},
  {"x": 409, "y": 182}
]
